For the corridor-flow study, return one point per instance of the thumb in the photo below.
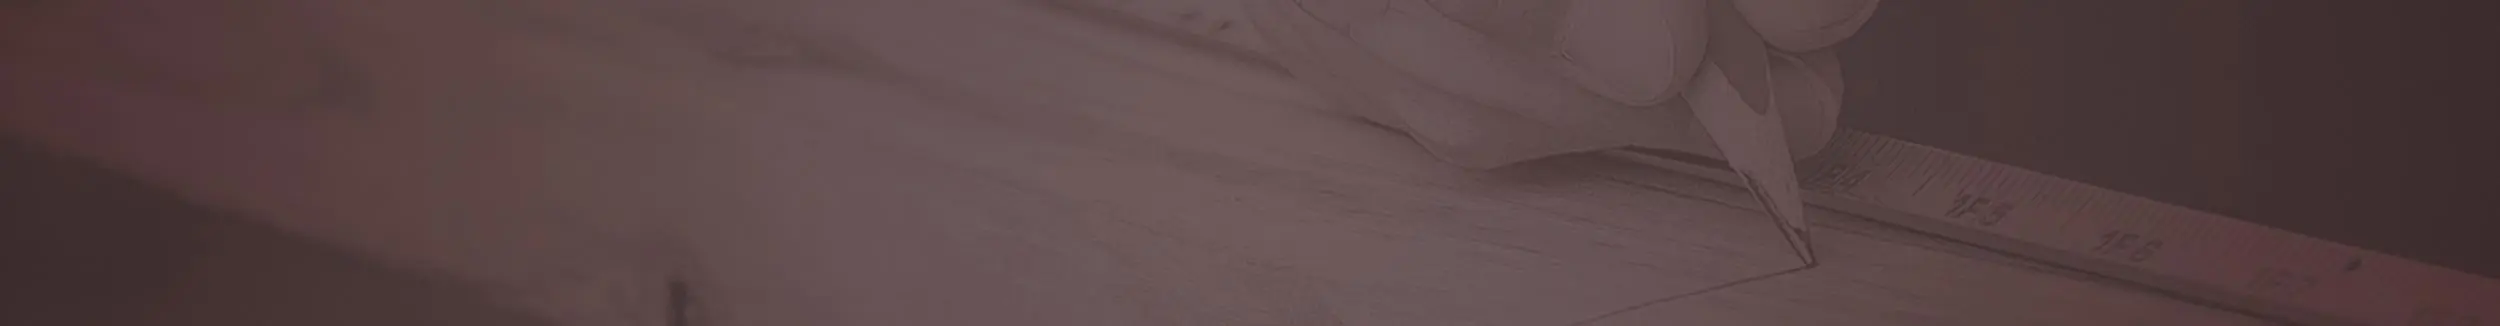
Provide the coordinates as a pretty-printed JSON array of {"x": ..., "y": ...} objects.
[{"x": 1807, "y": 90}]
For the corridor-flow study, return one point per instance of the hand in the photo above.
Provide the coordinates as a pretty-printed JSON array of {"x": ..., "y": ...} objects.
[{"x": 1484, "y": 83}]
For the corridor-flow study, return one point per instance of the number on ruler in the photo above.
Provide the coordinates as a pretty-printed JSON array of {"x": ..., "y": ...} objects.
[
  {"x": 2130, "y": 245},
  {"x": 2274, "y": 281},
  {"x": 1835, "y": 178},
  {"x": 1979, "y": 210}
]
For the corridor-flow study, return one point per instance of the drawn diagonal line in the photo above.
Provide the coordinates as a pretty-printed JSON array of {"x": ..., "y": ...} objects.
[{"x": 1679, "y": 296}]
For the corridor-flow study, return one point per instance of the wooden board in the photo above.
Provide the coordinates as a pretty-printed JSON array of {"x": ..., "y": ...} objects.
[{"x": 927, "y": 162}]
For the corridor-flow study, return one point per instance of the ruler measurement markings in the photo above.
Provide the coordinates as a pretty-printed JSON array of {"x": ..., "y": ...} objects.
[
  {"x": 1922, "y": 167},
  {"x": 2041, "y": 218},
  {"x": 2228, "y": 250},
  {"x": 2220, "y": 254},
  {"x": 1915, "y": 173},
  {"x": 2241, "y": 249},
  {"x": 1912, "y": 173},
  {"x": 1895, "y": 171},
  {"x": 2097, "y": 237},
  {"x": 2079, "y": 199},
  {"x": 2270, "y": 247},
  {"x": 2194, "y": 226},
  {"x": 2081, "y": 214},
  {"x": 1928, "y": 166},
  {"x": 2010, "y": 200},
  {"x": 1942, "y": 190},
  {"x": 2043, "y": 206},
  {"x": 2020, "y": 195},
  {"x": 1990, "y": 201},
  {"x": 1881, "y": 159},
  {"x": 1876, "y": 161},
  {"x": 2085, "y": 232},
  {"x": 2142, "y": 222},
  {"x": 1879, "y": 165},
  {"x": 2157, "y": 223},
  {"x": 1930, "y": 184},
  {"x": 2043, "y": 198},
  {"x": 1838, "y": 172},
  {"x": 1958, "y": 200},
  {"x": 2034, "y": 198},
  {"x": 1981, "y": 198},
  {"x": 1921, "y": 176},
  {"x": 1921, "y": 180},
  {"x": 2222, "y": 259},
  {"x": 2164, "y": 223},
  {"x": 2111, "y": 233}
]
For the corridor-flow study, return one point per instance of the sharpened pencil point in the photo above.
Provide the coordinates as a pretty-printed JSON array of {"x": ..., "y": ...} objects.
[{"x": 1798, "y": 241}]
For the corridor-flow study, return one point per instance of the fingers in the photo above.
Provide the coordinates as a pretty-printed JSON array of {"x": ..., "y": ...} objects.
[
  {"x": 1444, "y": 72},
  {"x": 1809, "y": 90},
  {"x": 1448, "y": 55},
  {"x": 1432, "y": 50},
  {"x": 1805, "y": 25},
  {"x": 1740, "y": 55},
  {"x": 1639, "y": 52},
  {"x": 1804, "y": 88}
]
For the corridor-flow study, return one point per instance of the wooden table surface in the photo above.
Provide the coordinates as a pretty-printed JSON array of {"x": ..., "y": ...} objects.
[{"x": 957, "y": 162}]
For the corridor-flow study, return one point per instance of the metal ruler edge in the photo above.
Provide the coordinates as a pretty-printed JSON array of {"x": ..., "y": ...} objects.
[{"x": 2186, "y": 252}]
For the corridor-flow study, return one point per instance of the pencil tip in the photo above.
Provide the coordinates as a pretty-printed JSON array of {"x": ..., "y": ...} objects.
[{"x": 1803, "y": 245}]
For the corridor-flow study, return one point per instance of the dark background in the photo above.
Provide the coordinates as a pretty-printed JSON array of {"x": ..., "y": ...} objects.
[{"x": 2364, "y": 122}]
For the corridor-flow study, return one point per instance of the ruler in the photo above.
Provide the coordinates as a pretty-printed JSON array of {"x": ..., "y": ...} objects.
[{"x": 2192, "y": 254}]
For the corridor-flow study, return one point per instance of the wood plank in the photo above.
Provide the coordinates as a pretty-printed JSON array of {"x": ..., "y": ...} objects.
[{"x": 947, "y": 162}]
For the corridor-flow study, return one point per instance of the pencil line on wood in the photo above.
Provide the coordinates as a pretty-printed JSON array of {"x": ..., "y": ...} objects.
[{"x": 1679, "y": 296}]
